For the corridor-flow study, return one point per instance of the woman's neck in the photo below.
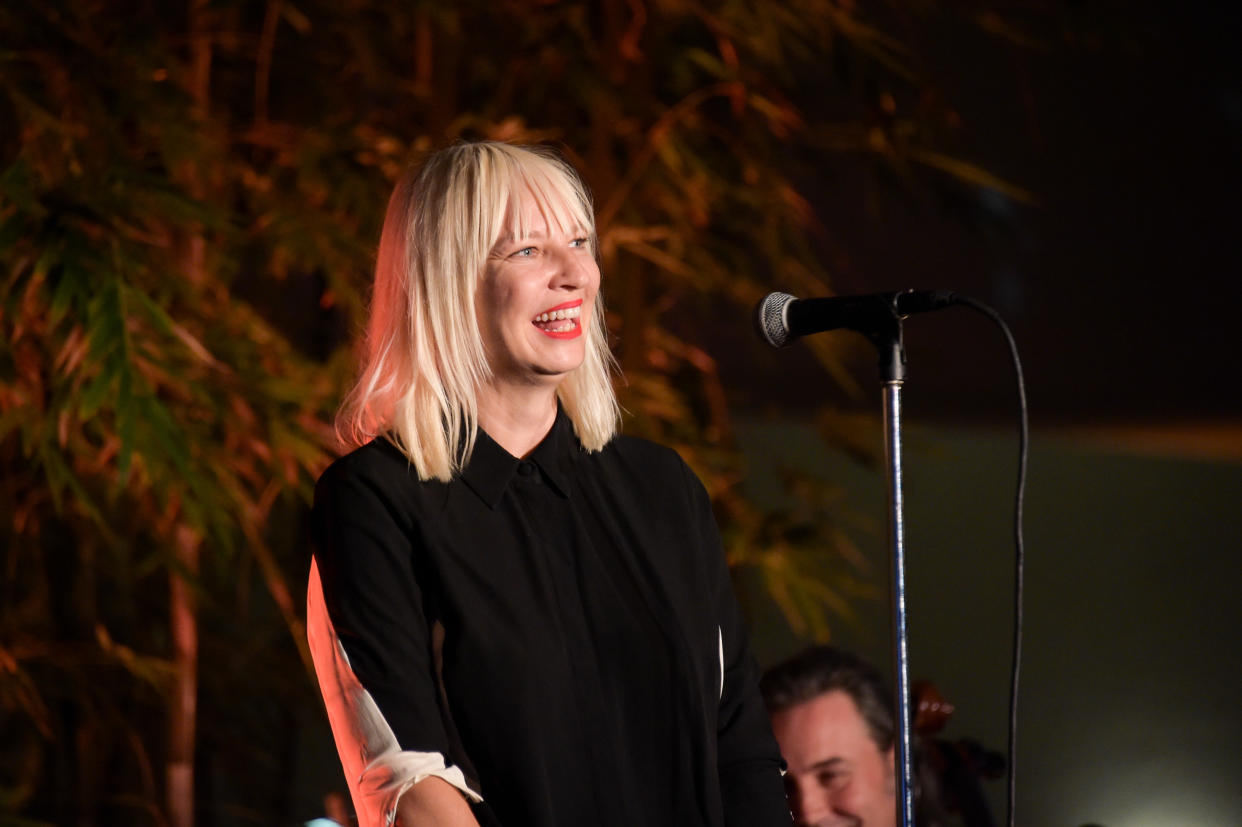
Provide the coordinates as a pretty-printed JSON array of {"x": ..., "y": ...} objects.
[{"x": 517, "y": 420}]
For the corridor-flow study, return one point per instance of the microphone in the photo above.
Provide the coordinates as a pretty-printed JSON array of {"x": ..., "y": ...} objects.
[{"x": 780, "y": 318}]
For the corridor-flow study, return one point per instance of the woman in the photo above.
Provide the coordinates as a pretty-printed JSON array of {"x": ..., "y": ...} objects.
[{"x": 516, "y": 616}]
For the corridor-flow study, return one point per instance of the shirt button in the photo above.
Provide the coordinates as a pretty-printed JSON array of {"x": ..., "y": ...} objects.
[{"x": 526, "y": 468}]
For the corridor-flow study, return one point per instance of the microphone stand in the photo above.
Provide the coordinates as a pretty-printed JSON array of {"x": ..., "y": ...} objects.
[
  {"x": 878, "y": 317},
  {"x": 882, "y": 326}
]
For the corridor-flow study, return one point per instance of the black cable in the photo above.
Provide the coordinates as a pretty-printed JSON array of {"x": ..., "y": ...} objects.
[{"x": 1023, "y": 439}]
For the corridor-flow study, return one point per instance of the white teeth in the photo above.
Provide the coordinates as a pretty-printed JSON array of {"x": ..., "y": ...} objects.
[{"x": 558, "y": 315}]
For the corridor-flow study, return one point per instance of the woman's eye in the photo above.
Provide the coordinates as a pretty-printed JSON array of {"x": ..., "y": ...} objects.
[
  {"x": 578, "y": 242},
  {"x": 525, "y": 252}
]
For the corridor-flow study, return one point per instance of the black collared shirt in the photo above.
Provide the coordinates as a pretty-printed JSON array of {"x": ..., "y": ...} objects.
[{"x": 561, "y": 628}]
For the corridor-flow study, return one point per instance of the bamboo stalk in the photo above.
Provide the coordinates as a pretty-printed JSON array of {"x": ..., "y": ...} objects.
[{"x": 183, "y": 616}]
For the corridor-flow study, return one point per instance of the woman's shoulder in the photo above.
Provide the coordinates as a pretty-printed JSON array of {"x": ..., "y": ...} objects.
[
  {"x": 379, "y": 456},
  {"x": 377, "y": 466},
  {"x": 658, "y": 469},
  {"x": 634, "y": 449}
]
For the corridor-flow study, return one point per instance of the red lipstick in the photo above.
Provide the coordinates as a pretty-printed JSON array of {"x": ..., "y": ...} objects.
[
  {"x": 573, "y": 303},
  {"x": 573, "y": 331}
]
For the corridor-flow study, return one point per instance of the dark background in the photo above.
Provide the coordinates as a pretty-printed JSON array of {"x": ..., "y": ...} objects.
[{"x": 1120, "y": 278}]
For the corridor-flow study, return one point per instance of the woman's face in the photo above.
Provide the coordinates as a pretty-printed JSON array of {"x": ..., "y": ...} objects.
[{"x": 535, "y": 299}]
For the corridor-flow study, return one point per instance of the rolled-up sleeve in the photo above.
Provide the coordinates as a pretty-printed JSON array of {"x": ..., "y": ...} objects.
[{"x": 371, "y": 645}]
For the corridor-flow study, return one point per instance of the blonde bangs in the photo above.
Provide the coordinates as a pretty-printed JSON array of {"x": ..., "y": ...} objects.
[{"x": 564, "y": 207}]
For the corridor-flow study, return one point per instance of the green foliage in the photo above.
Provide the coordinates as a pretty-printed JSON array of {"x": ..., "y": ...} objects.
[{"x": 188, "y": 210}]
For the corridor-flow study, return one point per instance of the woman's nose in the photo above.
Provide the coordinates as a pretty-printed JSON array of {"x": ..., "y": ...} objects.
[{"x": 573, "y": 269}]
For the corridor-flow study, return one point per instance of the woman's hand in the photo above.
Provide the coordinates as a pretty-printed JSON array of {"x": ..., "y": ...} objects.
[{"x": 433, "y": 802}]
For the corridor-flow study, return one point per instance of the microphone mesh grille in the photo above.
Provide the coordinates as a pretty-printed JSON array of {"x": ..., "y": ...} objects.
[{"x": 771, "y": 318}]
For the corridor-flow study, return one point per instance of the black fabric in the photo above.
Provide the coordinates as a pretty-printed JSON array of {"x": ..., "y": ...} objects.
[{"x": 580, "y": 596}]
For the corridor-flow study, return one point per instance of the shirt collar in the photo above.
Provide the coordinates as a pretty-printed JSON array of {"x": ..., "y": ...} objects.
[{"x": 492, "y": 468}]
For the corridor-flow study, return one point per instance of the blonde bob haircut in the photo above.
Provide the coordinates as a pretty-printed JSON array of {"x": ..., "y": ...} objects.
[{"x": 424, "y": 358}]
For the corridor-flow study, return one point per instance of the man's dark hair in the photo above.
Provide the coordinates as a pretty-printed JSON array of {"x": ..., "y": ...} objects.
[{"x": 821, "y": 669}]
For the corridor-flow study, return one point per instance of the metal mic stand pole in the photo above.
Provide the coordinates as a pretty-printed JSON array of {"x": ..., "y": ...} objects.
[
  {"x": 878, "y": 317},
  {"x": 885, "y": 334}
]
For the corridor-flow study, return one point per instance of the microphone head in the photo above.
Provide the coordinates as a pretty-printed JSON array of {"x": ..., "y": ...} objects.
[{"x": 771, "y": 321}]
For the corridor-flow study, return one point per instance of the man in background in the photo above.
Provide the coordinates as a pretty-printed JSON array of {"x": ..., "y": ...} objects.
[{"x": 832, "y": 717}]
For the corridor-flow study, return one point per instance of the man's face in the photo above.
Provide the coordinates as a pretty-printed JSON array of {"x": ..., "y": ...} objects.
[{"x": 837, "y": 776}]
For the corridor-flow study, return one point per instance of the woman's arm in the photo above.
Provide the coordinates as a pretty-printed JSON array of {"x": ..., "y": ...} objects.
[
  {"x": 370, "y": 641},
  {"x": 434, "y": 801},
  {"x": 748, "y": 760}
]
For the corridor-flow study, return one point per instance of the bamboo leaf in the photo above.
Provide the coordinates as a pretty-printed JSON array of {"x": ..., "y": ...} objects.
[
  {"x": 98, "y": 389},
  {"x": 169, "y": 441},
  {"x": 67, "y": 293},
  {"x": 62, "y": 480},
  {"x": 972, "y": 174}
]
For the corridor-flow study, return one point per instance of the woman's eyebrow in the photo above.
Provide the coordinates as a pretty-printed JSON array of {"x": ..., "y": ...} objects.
[{"x": 510, "y": 235}]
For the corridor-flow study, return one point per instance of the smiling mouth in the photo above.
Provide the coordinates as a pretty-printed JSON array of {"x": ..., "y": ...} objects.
[{"x": 559, "y": 320}]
